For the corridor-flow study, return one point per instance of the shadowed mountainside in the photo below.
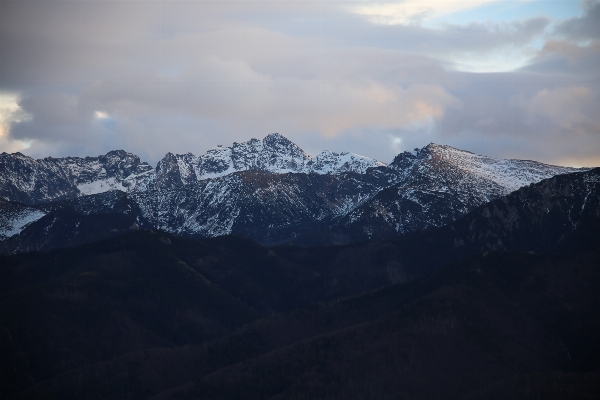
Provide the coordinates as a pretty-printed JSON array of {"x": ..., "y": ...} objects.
[
  {"x": 525, "y": 323},
  {"x": 148, "y": 313}
]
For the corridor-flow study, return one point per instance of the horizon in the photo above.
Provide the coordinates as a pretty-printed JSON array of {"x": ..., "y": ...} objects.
[
  {"x": 510, "y": 80},
  {"x": 153, "y": 164}
]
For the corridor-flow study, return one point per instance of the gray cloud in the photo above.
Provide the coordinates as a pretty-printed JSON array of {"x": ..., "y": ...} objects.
[
  {"x": 584, "y": 28},
  {"x": 153, "y": 77}
]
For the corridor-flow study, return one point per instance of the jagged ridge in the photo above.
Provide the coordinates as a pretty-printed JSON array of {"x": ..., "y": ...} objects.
[{"x": 271, "y": 190}]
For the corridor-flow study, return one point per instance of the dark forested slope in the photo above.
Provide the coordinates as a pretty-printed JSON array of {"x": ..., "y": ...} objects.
[{"x": 470, "y": 310}]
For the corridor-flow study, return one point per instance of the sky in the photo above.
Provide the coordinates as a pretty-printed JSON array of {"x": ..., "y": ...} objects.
[{"x": 507, "y": 79}]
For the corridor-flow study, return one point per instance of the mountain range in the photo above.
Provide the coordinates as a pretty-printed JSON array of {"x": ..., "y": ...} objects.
[
  {"x": 443, "y": 274},
  {"x": 500, "y": 303},
  {"x": 269, "y": 190}
]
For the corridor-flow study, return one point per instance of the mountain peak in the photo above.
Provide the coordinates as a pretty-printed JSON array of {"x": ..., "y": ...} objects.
[
  {"x": 15, "y": 155},
  {"x": 118, "y": 153},
  {"x": 436, "y": 148},
  {"x": 271, "y": 137},
  {"x": 432, "y": 150},
  {"x": 273, "y": 154}
]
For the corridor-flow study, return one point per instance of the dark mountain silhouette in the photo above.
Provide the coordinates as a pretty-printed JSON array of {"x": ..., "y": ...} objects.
[{"x": 470, "y": 310}]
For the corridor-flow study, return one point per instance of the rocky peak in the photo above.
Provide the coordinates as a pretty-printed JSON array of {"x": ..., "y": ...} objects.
[
  {"x": 167, "y": 164},
  {"x": 328, "y": 162},
  {"x": 274, "y": 154},
  {"x": 16, "y": 158},
  {"x": 167, "y": 172},
  {"x": 404, "y": 160},
  {"x": 17, "y": 155},
  {"x": 278, "y": 144},
  {"x": 31, "y": 181},
  {"x": 120, "y": 163}
]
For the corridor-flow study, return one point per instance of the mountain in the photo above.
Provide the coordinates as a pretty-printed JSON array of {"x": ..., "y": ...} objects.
[
  {"x": 95, "y": 302},
  {"x": 436, "y": 185},
  {"x": 149, "y": 314},
  {"x": 561, "y": 212},
  {"x": 502, "y": 300},
  {"x": 557, "y": 215},
  {"x": 274, "y": 154},
  {"x": 493, "y": 326},
  {"x": 38, "y": 181},
  {"x": 273, "y": 192},
  {"x": 15, "y": 217}
]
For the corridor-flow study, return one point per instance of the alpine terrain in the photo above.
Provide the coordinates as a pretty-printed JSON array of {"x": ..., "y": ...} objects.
[
  {"x": 501, "y": 303},
  {"x": 269, "y": 190}
]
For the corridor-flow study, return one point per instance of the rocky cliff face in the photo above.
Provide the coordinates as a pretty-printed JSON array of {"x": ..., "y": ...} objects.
[{"x": 33, "y": 181}]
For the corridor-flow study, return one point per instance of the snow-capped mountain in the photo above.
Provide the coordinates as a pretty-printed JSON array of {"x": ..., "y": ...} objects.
[
  {"x": 38, "y": 181},
  {"x": 117, "y": 170},
  {"x": 269, "y": 190},
  {"x": 33, "y": 181},
  {"x": 437, "y": 184},
  {"x": 266, "y": 207},
  {"x": 274, "y": 154}
]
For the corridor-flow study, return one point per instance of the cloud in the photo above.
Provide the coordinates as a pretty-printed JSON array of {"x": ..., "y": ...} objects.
[
  {"x": 573, "y": 109},
  {"x": 583, "y": 28},
  {"x": 11, "y": 113},
  {"x": 482, "y": 46},
  {"x": 53, "y": 117},
  {"x": 152, "y": 77},
  {"x": 231, "y": 92},
  {"x": 410, "y": 11}
]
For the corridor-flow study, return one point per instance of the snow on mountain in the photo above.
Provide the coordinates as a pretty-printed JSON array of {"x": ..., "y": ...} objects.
[
  {"x": 437, "y": 184},
  {"x": 14, "y": 217},
  {"x": 266, "y": 207},
  {"x": 269, "y": 190},
  {"x": 334, "y": 163},
  {"x": 470, "y": 177},
  {"x": 38, "y": 181},
  {"x": 508, "y": 174},
  {"x": 274, "y": 154},
  {"x": 33, "y": 181},
  {"x": 115, "y": 170}
]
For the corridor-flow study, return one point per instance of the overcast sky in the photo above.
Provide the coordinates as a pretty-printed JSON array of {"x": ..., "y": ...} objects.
[{"x": 509, "y": 79}]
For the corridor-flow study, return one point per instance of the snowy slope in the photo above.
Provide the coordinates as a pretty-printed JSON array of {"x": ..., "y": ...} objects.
[
  {"x": 508, "y": 174},
  {"x": 38, "y": 181},
  {"x": 33, "y": 181},
  {"x": 334, "y": 163},
  {"x": 91, "y": 175},
  {"x": 14, "y": 217},
  {"x": 437, "y": 184},
  {"x": 268, "y": 189},
  {"x": 274, "y": 154},
  {"x": 254, "y": 204}
]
